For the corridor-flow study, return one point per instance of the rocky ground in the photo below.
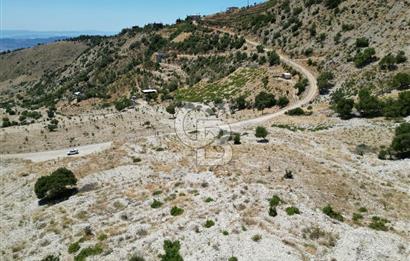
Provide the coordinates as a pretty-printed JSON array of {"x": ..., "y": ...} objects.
[{"x": 332, "y": 161}]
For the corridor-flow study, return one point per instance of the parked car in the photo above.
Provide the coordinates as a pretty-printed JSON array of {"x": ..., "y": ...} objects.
[{"x": 73, "y": 152}]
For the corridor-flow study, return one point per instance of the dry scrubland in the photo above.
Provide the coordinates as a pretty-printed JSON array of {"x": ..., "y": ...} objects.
[{"x": 118, "y": 186}]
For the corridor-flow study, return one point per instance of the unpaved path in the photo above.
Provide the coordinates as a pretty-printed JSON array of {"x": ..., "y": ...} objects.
[
  {"x": 309, "y": 95},
  {"x": 55, "y": 154}
]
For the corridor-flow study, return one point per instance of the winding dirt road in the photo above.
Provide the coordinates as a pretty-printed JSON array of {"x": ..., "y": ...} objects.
[{"x": 309, "y": 95}]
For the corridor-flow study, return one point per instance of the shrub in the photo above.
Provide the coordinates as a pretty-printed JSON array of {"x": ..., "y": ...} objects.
[
  {"x": 296, "y": 112},
  {"x": 356, "y": 217},
  {"x": 301, "y": 85},
  {"x": 171, "y": 109},
  {"x": 261, "y": 132},
  {"x": 171, "y": 251},
  {"x": 209, "y": 223},
  {"x": 364, "y": 58},
  {"x": 52, "y": 127},
  {"x": 122, "y": 103},
  {"x": 388, "y": 62},
  {"x": 51, "y": 258},
  {"x": 332, "y": 4},
  {"x": 324, "y": 82},
  {"x": 288, "y": 174},
  {"x": 344, "y": 108},
  {"x": 89, "y": 251},
  {"x": 379, "y": 224},
  {"x": 401, "y": 141},
  {"x": 74, "y": 247},
  {"x": 401, "y": 57},
  {"x": 264, "y": 100},
  {"x": 6, "y": 122},
  {"x": 225, "y": 233},
  {"x": 175, "y": 211},
  {"x": 256, "y": 238},
  {"x": 240, "y": 103},
  {"x": 362, "y": 42},
  {"x": 362, "y": 209},
  {"x": 232, "y": 258},
  {"x": 136, "y": 257},
  {"x": 368, "y": 105},
  {"x": 55, "y": 185},
  {"x": 283, "y": 101},
  {"x": 260, "y": 49},
  {"x": 209, "y": 199},
  {"x": 275, "y": 201},
  {"x": 237, "y": 139},
  {"x": 272, "y": 211},
  {"x": 156, "y": 204},
  {"x": 273, "y": 58},
  {"x": 401, "y": 81},
  {"x": 328, "y": 210},
  {"x": 292, "y": 211}
]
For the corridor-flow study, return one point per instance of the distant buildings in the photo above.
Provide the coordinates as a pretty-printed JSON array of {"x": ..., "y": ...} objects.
[
  {"x": 286, "y": 76},
  {"x": 192, "y": 18},
  {"x": 160, "y": 56},
  {"x": 232, "y": 9}
]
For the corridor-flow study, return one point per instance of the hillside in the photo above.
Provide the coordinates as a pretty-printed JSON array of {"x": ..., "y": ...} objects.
[
  {"x": 269, "y": 132},
  {"x": 327, "y": 35}
]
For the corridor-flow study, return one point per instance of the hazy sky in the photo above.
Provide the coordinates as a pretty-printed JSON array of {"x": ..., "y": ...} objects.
[{"x": 103, "y": 15}]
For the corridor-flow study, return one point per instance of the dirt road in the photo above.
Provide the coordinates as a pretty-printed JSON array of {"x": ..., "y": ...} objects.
[{"x": 309, "y": 95}]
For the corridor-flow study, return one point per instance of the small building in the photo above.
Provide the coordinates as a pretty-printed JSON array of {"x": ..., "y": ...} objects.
[
  {"x": 192, "y": 18},
  {"x": 149, "y": 91},
  {"x": 232, "y": 9},
  {"x": 160, "y": 56},
  {"x": 286, "y": 76}
]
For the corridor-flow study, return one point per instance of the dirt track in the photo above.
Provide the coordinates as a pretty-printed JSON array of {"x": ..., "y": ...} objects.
[{"x": 309, "y": 96}]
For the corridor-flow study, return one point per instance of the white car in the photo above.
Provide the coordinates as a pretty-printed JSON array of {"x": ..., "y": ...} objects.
[{"x": 73, "y": 152}]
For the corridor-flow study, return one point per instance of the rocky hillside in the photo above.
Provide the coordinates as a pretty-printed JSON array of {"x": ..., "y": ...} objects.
[{"x": 334, "y": 35}]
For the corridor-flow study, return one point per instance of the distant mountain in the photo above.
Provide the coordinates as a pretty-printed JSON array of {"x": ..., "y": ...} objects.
[
  {"x": 16, "y": 39},
  {"x": 9, "y": 44}
]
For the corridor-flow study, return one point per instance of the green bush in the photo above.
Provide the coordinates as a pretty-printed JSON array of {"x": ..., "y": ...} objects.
[
  {"x": 209, "y": 223},
  {"x": 324, "y": 82},
  {"x": 292, "y": 211},
  {"x": 344, "y": 108},
  {"x": 51, "y": 258},
  {"x": 55, "y": 185},
  {"x": 401, "y": 141},
  {"x": 232, "y": 258},
  {"x": 171, "y": 251},
  {"x": 175, "y": 211},
  {"x": 328, "y": 210},
  {"x": 74, "y": 247},
  {"x": 156, "y": 204},
  {"x": 237, "y": 139},
  {"x": 356, "y": 217},
  {"x": 364, "y": 58},
  {"x": 401, "y": 57},
  {"x": 264, "y": 100},
  {"x": 301, "y": 85},
  {"x": 122, "y": 103},
  {"x": 379, "y": 224},
  {"x": 136, "y": 257},
  {"x": 362, "y": 42},
  {"x": 388, "y": 62},
  {"x": 332, "y": 4},
  {"x": 275, "y": 201},
  {"x": 283, "y": 101},
  {"x": 89, "y": 251},
  {"x": 296, "y": 112},
  {"x": 401, "y": 81},
  {"x": 368, "y": 105},
  {"x": 273, "y": 58},
  {"x": 261, "y": 132},
  {"x": 171, "y": 109}
]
